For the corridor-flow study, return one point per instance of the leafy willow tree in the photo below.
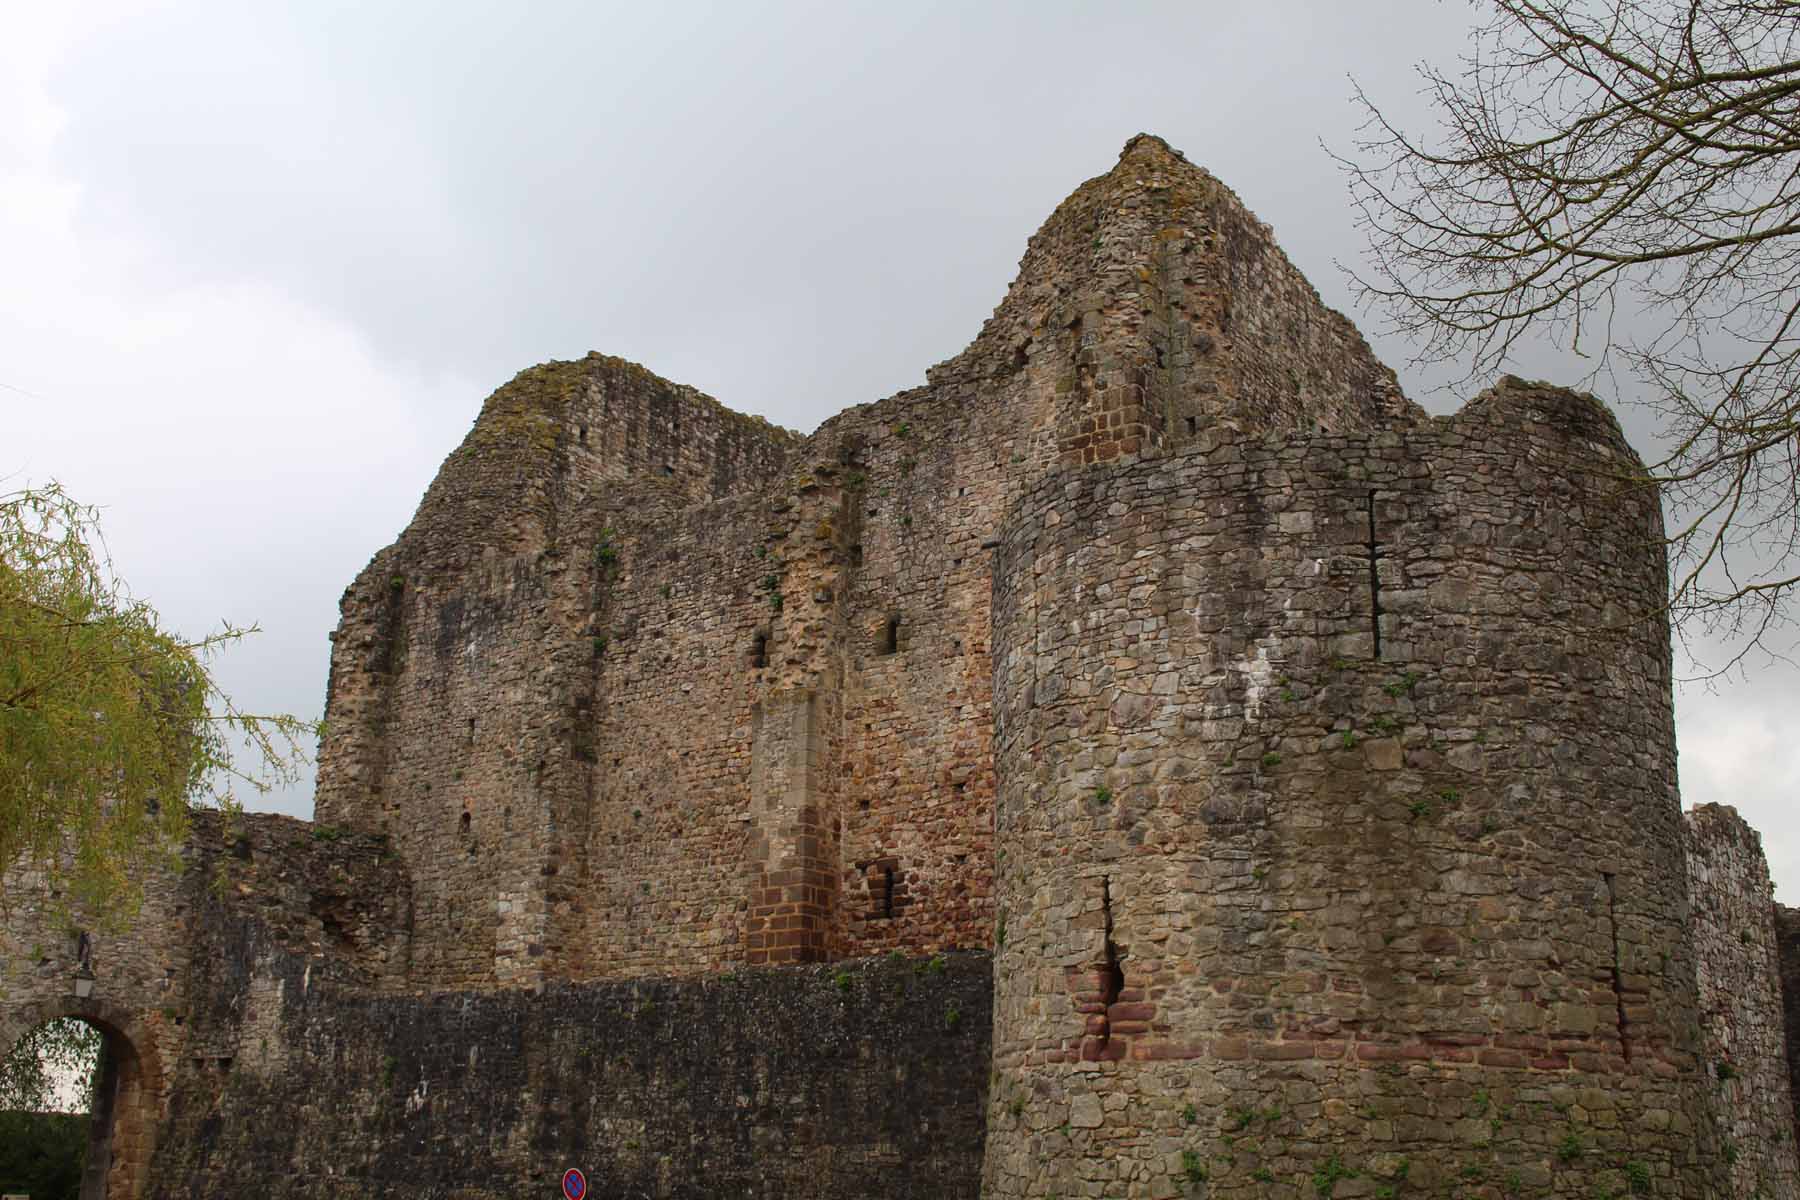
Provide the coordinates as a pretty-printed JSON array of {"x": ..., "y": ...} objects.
[
  {"x": 1624, "y": 175},
  {"x": 52, "y": 1068},
  {"x": 112, "y": 728}
]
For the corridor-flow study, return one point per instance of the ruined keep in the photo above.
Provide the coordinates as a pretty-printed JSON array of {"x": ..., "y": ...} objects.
[{"x": 1154, "y": 758}]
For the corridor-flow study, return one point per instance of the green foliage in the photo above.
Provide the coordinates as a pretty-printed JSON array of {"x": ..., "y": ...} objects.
[
  {"x": 1570, "y": 1148},
  {"x": 1271, "y": 759},
  {"x": 1103, "y": 795},
  {"x": 55, "y": 1053},
  {"x": 843, "y": 981},
  {"x": 111, "y": 726},
  {"x": 41, "y": 1154},
  {"x": 1325, "y": 1177},
  {"x": 1399, "y": 687},
  {"x": 1637, "y": 1175},
  {"x": 1192, "y": 1169}
]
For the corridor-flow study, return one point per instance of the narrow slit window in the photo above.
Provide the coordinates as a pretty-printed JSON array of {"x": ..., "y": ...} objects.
[
  {"x": 759, "y": 651},
  {"x": 890, "y": 636}
]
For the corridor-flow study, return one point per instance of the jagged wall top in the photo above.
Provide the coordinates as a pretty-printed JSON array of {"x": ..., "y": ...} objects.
[{"x": 1157, "y": 270}]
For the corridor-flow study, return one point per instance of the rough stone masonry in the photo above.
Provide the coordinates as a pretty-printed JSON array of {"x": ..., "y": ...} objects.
[{"x": 1153, "y": 758}]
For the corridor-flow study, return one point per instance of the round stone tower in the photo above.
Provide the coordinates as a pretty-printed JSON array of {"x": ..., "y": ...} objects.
[{"x": 1338, "y": 844}]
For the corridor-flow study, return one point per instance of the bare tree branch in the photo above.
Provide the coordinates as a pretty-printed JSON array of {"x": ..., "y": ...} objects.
[{"x": 1594, "y": 156}]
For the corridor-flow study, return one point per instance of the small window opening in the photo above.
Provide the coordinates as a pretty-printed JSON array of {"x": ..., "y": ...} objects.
[
  {"x": 667, "y": 471},
  {"x": 759, "y": 651},
  {"x": 1193, "y": 425},
  {"x": 465, "y": 823},
  {"x": 856, "y": 555},
  {"x": 581, "y": 434},
  {"x": 887, "y": 892},
  {"x": 471, "y": 731},
  {"x": 890, "y": 636}
]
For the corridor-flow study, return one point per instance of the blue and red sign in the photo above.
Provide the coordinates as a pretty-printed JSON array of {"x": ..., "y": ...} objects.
[{"x": 574, "y": 1184}]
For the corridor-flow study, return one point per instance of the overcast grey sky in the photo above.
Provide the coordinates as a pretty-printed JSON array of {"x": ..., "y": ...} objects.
[{"x": 259, "y": 264}]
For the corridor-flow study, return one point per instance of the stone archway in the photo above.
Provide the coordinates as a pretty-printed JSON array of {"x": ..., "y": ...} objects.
[{"x": 127, "y": 1101}]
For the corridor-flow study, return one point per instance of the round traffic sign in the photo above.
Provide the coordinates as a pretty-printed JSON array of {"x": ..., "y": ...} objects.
[{"x": 574, "y": 1184}]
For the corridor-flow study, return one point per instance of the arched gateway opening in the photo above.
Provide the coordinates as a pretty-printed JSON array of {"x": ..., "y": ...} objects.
[{"x": 127, "y": 1084}]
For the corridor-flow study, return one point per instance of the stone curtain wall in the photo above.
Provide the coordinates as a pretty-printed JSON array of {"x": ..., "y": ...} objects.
[
  {"x": 1281, "y": 905},
  {"x": 864, "y": 1079},
  {"x": 245, "y": 891},
  {"x": 1744, "y": 1044},
  {"x": 266, "y": 1046}
]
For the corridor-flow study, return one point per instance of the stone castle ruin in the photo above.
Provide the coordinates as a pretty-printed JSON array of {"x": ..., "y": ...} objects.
[{"x": 1152, "y": 759}]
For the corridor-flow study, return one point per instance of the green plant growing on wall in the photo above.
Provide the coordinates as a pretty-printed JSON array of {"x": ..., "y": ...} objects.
[
  {"x": 1326, "y": 1175},
  {"x": 1192, "y": 1169},
  {"x": 1570, "y": 1148}
]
